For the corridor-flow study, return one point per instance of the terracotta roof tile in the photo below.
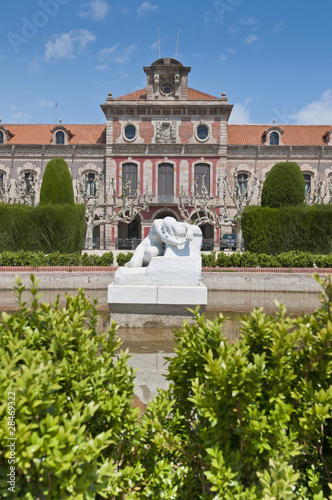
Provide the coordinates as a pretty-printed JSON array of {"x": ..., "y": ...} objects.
[
  {"x": 294, "y": 135},
  {"x": 41, "y": 134},
  {"x": 193, "y": 95}
]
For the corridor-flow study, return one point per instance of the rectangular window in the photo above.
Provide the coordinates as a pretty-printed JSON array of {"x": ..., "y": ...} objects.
[
  {"x": 91, "y": 184},
  {"x": 129, "y": 178},
  {"x": 165, "y": 183},
  {"x": 202, "y": 179}
]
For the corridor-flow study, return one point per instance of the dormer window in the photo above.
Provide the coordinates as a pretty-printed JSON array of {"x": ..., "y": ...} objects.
[
  {"x": 274, "y": 139},
  {"x": 328, "y": 137},
  {"x": 60, "y": 137},
  {"x": 5, "y": 135},
  {"x": 273, "y": 136}
]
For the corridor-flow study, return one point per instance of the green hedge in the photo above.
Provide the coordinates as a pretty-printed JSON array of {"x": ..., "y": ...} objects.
[
  {"x": 48, "y": 228},
  {"x": 272, "y": 231},
  {"x": 123, "y": 258},
  {"x": 248, "y": 259},
  {"x": 26, "y": 258}
]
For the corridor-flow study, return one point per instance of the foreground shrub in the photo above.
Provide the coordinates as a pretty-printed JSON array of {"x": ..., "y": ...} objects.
[
  {"x": 250, "y": 420},
  {"x": 74, "y": 421}
]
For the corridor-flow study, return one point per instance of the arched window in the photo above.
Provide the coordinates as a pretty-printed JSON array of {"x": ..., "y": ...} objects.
[
  {"x": 242, "y": 187},
  {"x": 129, "y": 178},
  {"x": 1, "y": 181},
  {"x": 165, "y": 183},
  {"x": 1, "y": 137},
  {"x": 91, "y": 184},
  {"x": 202, "y": 178},
  {"x": 29, "y": 180},
  {"x": 60, "y": 137},
  {"x": 307, "y": 180},
  {"x": 274, "y": 139}
]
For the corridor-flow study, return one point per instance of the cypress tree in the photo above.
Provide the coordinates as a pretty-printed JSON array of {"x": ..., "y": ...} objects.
[
  {"x": 57, "y": 184},
  {"x": 284, "y": 186}
]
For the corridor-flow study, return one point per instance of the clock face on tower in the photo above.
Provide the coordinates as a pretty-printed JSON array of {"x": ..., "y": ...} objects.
[{"x": 166, "y": 88}]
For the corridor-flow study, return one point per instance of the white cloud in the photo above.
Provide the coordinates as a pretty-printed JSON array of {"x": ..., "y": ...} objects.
[
  {"x": 248, "y": 21},
  {"x": 96, "y": 9},
  {"x": 222, "y": 57},
  {"x": 145, "y": 8},
  {"x": 102, "y": 67},
  {"x": 19, "y": 117},
  {"x": 197, "y": 54},
  {"x": 316, "y": 112},
  {"x": 66, "y": 45},
  {"x": 33, "y": 66},
  {"x": 117, "y": 53},
  {"x": 47, "y": 104},
  {"x": 251, "y": 39},
  {"x": 233, "y": 30},
  {"x": 230, "y": 51},
  {"x": 241, "y": 113},
  {"x": 154, "y": 46},
  {"x": 277, "y": 27}
]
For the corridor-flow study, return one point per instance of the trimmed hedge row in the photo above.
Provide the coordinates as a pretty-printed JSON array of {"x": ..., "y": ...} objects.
[
  {"x": 39, "y": 259},
  {"x": 247, "y": 259},
  {"x": 48, "y": 228},
  {"x": 303, "y": 228}
]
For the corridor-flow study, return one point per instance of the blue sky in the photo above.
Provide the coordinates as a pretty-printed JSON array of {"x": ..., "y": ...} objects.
[{"x": 273, "y": 59}]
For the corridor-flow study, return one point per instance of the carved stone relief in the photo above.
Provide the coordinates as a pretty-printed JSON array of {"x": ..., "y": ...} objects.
[{"x": 166, "y": 132}]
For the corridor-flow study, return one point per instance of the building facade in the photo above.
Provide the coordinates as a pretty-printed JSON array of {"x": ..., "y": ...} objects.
[{"x": 162, "y": 138}]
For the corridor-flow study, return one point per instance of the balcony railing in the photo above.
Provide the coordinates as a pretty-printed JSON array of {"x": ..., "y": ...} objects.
[{"x": 166, "y": 198}]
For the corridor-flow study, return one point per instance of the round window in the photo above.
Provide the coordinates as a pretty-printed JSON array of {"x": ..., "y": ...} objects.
[
  {"x": 130, "y": 132},
  {"x": 202, "y": 132},
  {"x": 167, "y": 88}
]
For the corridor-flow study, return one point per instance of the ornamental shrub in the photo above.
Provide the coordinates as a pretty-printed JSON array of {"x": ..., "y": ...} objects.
[
  {"x": 57, "y": 184},
  {"x": 284, "y": 186},
  {"x": 246, "y": 421},
  {"x": 74, "y": 422}
]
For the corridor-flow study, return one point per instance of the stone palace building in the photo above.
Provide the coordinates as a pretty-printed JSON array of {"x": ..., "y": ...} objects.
[{"x": 163, "y": 137}]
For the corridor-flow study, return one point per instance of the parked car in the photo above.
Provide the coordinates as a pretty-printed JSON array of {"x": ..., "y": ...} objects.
[{"x": 228, "y": 241}]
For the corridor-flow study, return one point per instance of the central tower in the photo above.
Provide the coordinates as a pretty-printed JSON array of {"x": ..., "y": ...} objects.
[{"x": 167, "y": 79}]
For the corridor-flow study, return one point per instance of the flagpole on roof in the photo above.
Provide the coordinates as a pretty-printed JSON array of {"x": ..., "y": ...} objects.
[
  {"x": 177, "y": 42},
  {"x": 158, "y": 41}
]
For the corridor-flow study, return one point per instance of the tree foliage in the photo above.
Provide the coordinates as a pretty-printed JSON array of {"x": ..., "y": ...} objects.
[
  {"x": 57, "y": 184},
  {"x": 284, "y": 186}
]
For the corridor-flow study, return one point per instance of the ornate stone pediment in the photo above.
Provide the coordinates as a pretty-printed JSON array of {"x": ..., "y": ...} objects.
[{"x": 166, "y": 132}]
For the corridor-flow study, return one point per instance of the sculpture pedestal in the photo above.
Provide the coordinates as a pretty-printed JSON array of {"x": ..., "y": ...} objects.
[{"x": 154, "y": 306}]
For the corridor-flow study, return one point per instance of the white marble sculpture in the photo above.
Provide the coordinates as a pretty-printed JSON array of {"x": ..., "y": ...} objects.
[
  {"x": 169, "y": 255},
  {"x": 162, "y": 281}
]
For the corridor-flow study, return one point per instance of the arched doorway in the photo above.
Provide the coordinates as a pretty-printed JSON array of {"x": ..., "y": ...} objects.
[{"x": 129, "y": 235}]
